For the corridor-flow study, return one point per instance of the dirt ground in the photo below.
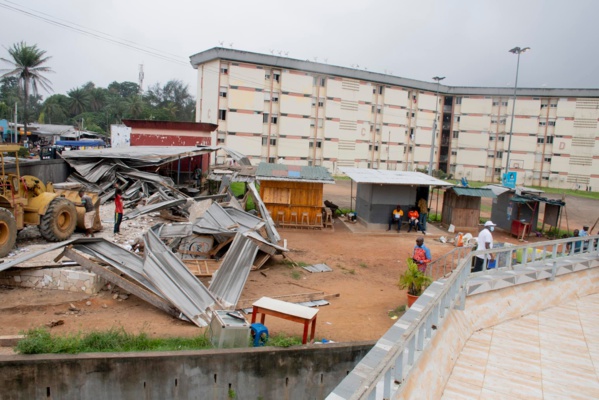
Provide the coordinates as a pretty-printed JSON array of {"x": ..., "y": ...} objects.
[{"x": 361, "y": 289}]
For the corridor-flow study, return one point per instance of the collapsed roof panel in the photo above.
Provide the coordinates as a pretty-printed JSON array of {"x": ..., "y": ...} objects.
[
  {"x": 245, "y": 219},
  {"x": 176, "y": 282},
  {"x": 273, "y": 235},
  {"x": 234, "y": 270},
  {"x": 153, "y": 207}
]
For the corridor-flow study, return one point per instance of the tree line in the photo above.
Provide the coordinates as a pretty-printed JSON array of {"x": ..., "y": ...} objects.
[{"x": 88, "y": 106}]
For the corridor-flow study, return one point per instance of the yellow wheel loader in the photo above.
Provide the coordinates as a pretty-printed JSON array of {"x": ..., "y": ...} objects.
[{"x": 26, "y": 200}]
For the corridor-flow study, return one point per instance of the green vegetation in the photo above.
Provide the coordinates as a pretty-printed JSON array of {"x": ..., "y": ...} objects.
[
  {"x": 347, "y": 271},
  {"x": 342, "y": 178},
  {"x": 295, "y": 274},
  {"x": 413, "y": 279},
  {"x": 397, "y": 312},
  {"x": 282, "y": 340},
  {"x": 291, "y": 264},
  {"x": 41, "y": 341},
  {"x": 363, "y": 265},
  {"x": 232, "y": 394},
  {"x": 569, "y": 192},
  {"x": 434, "y": 217}
]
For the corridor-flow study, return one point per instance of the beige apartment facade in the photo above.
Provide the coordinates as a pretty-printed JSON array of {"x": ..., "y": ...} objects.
[{"x": 306, "y": 113}]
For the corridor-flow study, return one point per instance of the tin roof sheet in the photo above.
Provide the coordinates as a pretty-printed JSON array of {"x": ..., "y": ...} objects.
[
  {"x": 474, "y": 192},
  {"x": 282, "y": 172},
  {"x": 366, "y": 175}
]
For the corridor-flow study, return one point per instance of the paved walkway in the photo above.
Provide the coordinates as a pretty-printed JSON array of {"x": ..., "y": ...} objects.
[{"x": 552, "y": 354}]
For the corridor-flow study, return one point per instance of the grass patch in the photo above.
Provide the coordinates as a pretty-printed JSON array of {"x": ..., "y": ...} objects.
[
  {"x": 296, "y": 275},
  {"x": 282, "y": 340},
  {"x": 363, "y": 265},
  {"x": 341, "y": 178},
  {"x": 41, "y": 341},
  {"x": 291, "y": 264},
  {"x": 569, "y": 192},
  {"x": 347, "y": 270},
  {"x": 397, "y": 312}
]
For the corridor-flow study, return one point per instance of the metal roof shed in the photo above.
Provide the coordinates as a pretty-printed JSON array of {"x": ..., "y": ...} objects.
[
  {"x": 379, "y": 191},
  {"x": 293, "y": 193},
  {"x": 461, "y": 207}
]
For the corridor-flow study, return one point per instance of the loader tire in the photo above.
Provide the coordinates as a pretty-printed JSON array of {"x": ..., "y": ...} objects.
[
  {"x": 8, "y": 232},
  {"x": 59, "y": 221}
]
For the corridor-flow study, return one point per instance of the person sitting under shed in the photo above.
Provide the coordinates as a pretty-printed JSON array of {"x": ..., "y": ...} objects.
[
  {"x": 395, "y": 218},
  {"x": 413, "y": 221}
]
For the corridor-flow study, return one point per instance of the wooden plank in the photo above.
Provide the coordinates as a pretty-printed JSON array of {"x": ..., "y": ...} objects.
[
  {"x": 202, "y": 268},
  {"x": 130, "y": 287}
]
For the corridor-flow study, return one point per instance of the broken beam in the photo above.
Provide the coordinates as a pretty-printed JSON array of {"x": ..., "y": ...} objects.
[{"x": 122, "y": 282}]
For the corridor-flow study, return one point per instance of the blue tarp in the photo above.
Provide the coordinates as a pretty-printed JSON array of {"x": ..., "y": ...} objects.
[{"x": 81, "y": 143}]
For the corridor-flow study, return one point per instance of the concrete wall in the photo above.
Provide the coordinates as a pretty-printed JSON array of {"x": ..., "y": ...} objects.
[
  {"x": 47, "y": 170},
  {"x": 306, "y": 372}
]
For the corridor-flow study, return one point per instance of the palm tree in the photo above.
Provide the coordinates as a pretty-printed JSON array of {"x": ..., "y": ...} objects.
[
  {"x": 27, "y": 65},
  {"x": 79, "y": 100}
]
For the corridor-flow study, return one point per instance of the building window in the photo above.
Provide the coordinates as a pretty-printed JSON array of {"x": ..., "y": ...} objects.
[
  {"x": 273, "y": 142},
  {"x": 323, "y": 82},
  {"x": 547, "y": 159},
  {"x": 321, "y": 102},
  {"x": 413, "y": 115},
  {"x": 493, "y": 121},
  {"x": 266, "y": 96},
  {"x": 504, "y": 103},
  {"x": 458, "y": 100},
  {"x": 544, "y": 105},
  {"x": 275, "y": 97},
  {"x": 499, "y": 154},
  {"x": 319, "y": 143},
  {"x": 549, "y": 139},
  {"x": 553, "y": 105},
  {"x": 456, "y": 134},
  {"x": 491, "y": 138},
  {"x": 378, "y": 109},
  {"x": 454, "y": 153},
  {"x": 264, "y": 140},
  {"x": 457, "y": 119},
  {"x": 276, "y": 76},
  {"x": 265, "y": 118},
  {"x": 501, "y": 138},
  {"x": 502, "y": 121},
  {"x": 224, "y": 69},
  {"x": 223, "y": 92},
  {"x": 320, "y": 122},
  {"x": 495, "y": 103},
  {"x": 222, "y": 115},
  {"x": 551, "y": 123},
  {"x": 369, "y": 147},
  {"x": 542, "y": 123},
  {"x": 380, "y": 90},
  {"x": 540, "y": 140},
  {"x": 497, "y": 170},
  {"x": 274, "y": 119},
  {"x": 272, "y": 160},
  {"x": 267, "y": 77}
]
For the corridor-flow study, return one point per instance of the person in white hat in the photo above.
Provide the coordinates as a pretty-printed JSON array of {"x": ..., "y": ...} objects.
[{"x": 485, "y": 241}]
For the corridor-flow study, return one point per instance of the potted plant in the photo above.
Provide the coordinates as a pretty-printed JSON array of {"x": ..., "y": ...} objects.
[{"x": 414, "y": 281}]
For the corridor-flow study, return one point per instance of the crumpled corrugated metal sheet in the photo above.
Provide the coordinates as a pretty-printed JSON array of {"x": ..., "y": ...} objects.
[
  {"x": 233, "y": 272},
  {"x": 273, "y": 234},
  {"x": 245, "y": 219},
  {"x": 175, "y": 281},
  {"x": 153, "y": 207}
]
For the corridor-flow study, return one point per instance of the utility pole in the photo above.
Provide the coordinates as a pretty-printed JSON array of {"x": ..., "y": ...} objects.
[
  {"x": 430, "y": 163},
  {"x": 518, "y": 51},
  {"x": 14, "y": 131}
]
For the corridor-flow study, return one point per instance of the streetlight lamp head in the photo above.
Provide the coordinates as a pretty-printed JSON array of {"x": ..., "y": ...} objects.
[
  {"x": 438, "y": 78},
  {"x": 518, "y": 50}
]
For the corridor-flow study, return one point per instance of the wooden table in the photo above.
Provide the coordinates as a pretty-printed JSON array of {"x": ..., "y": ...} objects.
[{"x": 288, "y": 311}]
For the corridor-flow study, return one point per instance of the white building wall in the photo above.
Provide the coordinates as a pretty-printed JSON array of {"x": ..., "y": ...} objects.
[
  {"x": 245, "y": 100},
  {"x": 525, "y": 125},
  {"x": 566, "y": 108},
  {"x": 242, "y": 122},
  {"x": 246, "y": 76},
  {"x": 396, "y": 97},
  {"x": 295, "y": 105},
  {"x": 296, "y": 83},
  {"x": 475, "y": 139},
  {"x": 251, "y": 146},
  {"x": 292, "y": 147},
  {"x": 207, "y": 101},
  {"x": 427, "y": 101},
  {"x": 475, "y": 122},
  {"x": 476, "y": 106},
  {"x": 295, "y": 126},
  {"x": 525, "y": 106},
  {"x": 120, "y": 136}
]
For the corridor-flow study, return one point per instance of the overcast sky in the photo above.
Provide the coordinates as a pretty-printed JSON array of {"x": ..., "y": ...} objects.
[{"x": 465, "y": 40}]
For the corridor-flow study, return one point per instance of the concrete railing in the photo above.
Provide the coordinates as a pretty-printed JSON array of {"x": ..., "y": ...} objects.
[{"x": 385, "y": 369}]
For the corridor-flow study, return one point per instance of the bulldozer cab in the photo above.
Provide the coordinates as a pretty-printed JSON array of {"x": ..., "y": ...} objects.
[{"x": 9, "y": 185}]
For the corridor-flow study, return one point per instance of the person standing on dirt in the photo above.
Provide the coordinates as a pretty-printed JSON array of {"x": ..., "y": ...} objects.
[
  {"x": 118, "y": 210},
  {"x": 90, "y": 212},
  {"x": 395, "y": 218},
  {"x": 423, "y": 208},
  {"x": 422, "y": 254},
  {"x": 484, "y": 242}
]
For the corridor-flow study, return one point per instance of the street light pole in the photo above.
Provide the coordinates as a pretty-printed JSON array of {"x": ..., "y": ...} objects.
[
  {"x": 430, "y": 163},
  {"x": 518, "y": 51}
]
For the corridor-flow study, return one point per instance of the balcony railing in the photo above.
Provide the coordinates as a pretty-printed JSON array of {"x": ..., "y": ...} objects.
[{"x": 381, "y": 373}]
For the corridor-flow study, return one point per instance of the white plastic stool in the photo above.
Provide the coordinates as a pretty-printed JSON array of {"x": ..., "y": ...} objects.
[
  {"x": 306, "y": 217},
  {"x": 293, "y": 216}
]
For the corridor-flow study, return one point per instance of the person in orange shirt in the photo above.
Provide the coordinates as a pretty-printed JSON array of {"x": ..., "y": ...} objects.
[
  {"x": 395, "y": 218},
  {"x": 413, "y": 221}
]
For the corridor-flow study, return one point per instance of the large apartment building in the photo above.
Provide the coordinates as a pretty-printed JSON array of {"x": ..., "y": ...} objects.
[{"x": 309, "y": 113}]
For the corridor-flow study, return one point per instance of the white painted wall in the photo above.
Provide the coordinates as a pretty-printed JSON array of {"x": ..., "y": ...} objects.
[
  {"x": 245, "y": 100},
  {"x": 295, "y": 105},
  {"x": 208, "y": 92},
  {"x": 120, "y": 136},
  {"x": 476, "y": 106},
  {"x": 250, "y": 77},
  {"x": 295, "y": 83},
  {"x": 242, "y": 122}
]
